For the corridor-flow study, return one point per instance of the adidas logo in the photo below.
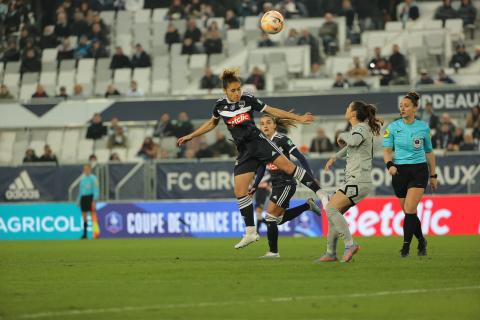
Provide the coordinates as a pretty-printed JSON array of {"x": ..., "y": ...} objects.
[
  {"x": 273, "y": 153},
  {"x": 274, "y": 197},
  {"x": 22, "y": 189}
]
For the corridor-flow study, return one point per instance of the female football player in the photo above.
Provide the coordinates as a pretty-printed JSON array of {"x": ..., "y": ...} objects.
[
  {"x": 410, "y": 138},
  {"x": 254, "y": 149},
  {"x": 358, "y": 151},
  {"x": 283, "y": 185}
]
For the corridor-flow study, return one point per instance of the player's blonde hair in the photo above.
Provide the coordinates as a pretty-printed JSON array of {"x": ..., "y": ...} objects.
[{"x": 281, "y": 122}]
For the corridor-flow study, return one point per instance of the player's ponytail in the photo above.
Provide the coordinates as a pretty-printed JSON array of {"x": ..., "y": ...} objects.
[
  {"x": 368, "y": 111},
  {"x": 230, "y": 75},
  {"x": 414, "y": 97},
  {"x": 281, "y": 122}
]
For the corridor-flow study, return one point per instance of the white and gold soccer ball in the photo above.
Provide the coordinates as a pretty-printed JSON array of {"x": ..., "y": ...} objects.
[{"x": 272, "y": 22}]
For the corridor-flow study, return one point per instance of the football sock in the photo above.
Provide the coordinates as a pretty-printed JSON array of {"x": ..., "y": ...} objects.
[
  {"x": 340, "y": 225},
  {"x": 272, "y": 235},
  {"x": 409, "y": 226},
  {"x": 306, "y": 179},
  {"x": 259, "y": 223},
  {"x": 246, "y": 209},
  {"x": 418, "y": 227},
  {"x": 294, "y": 212},
  {"x": 85, "y": 229},
  {"x": 332, "y": 239}
]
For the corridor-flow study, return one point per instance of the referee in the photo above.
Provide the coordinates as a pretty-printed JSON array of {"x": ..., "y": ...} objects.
[
  {"x": 410, "y": 139},
  {"x": 87, "y": 195}
]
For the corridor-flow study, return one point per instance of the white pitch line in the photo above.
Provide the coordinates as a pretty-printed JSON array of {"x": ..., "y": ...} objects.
[{"x": 231, "y": 303}]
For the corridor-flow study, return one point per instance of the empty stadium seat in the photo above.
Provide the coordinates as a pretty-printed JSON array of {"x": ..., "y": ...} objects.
[
  {"x": 394, "y": 26},
  {"x": 159, "y": 14},
  {"x": 12, "y": 67},
  {"x": 102, "y": 155},
  {"x": 142, "y": 16},
  {"x": 85, "y": 149},
  {"x": 26, "y": 91},
  {"x": 66, "y": 79},
  {"x": 455, "y": 27},
  {"x": 108, "y": 17},
  {"x": 142, "y": 76},
  {"x": 68, "y": 152},
  {"x": 55, "y": 138},
  {"x": 49, "y": 55},
  {"x": 67, "y": 65},
  {"x": 7, "y": 140},
  {"x": 29, "y": 78}
]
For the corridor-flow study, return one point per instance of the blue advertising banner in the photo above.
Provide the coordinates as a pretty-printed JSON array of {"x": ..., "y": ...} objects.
[
  {"x": 40, "y": 221},
  {"x": 189, "y": 219}
]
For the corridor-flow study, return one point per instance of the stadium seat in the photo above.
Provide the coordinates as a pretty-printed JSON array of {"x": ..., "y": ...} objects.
[
  {"x": 12, "y": 80},
  {"x": 216, "y": 58},
  {"x": 67, "y": 65},
  {"x": 86, "y": 64},
  {"x": 175, "y": 50},
  {"x": 49, "y": 66},
  {"x": 251, "y": 23},
  {"x": 159, "y": 50},
  {"x": 122, "y": 78},
  {"x": 219, "y": 20},
  {"x": 66, "y": 79},
  {"x": 73, "y": 41},
  {"x": 7, "y": 140},
  {"x": 132, "y": 155},
  {"x": 235, "y": 36},
  {"x": 54, "y": 138},
  {"x": 123, "y": 22},
  {"x": 142, "y": 16},
  {"x": 48, "y": 78},
  {"x": 142, "y": 76},
  {"x": 124, "y": 40},
  {"x": 160, "y": 86},
  {"x": 26, "y": 91},
  {"x": 108, "y": 17},
  {"x": 68, "y": 152},
  {"x": 122, "y": 153},
  {"x": 198, "y": 62},
  {"x": 180, "y": 25},
  {"x": 169, "y": 144},
  {"x": 37, "y": 146},
  {"x": 85, "y": 149},
  {"x": 159, "y": 14},
  {"x": 102, "y": 155},
  {"x": 393, "y": 26},
  {"x": 29, "y": 78},
  {"x": 435, "y": 44},
  {"x": 455, "y": 27},
  {"x": 49, "y": 55},
  {"x": 159, "y": 29},
  {"x": 433, "y": 24},
  {"x": 141, "y": 34},
  {"x": 12, "y": 67}
]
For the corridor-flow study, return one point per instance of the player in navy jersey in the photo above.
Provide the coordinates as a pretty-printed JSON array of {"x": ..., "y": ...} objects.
[
  {"x": 254, "y": 149},
  {"x": 283, "y": 185},
  {"x": 409, "y": 140}
]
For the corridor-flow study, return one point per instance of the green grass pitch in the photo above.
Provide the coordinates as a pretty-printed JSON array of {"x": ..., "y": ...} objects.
[{"x": 208, "y": 279}]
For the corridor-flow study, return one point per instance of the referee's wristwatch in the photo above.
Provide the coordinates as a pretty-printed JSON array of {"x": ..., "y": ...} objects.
[{"x": 434, "y": 176}]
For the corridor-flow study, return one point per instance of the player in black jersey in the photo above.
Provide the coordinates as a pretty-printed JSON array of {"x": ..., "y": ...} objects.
[
  {"x": 283, "y": 185},
  {"x": 254, "y": 149}
]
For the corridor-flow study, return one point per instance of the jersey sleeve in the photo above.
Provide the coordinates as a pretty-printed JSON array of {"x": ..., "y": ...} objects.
[
  {"x": 427, "y": 145},
  {"x": 255, "y": 103},
  {"x": 215, "y": 113},
  {"x": 388, "y": 137},
  {"x": 289, "y": 145},
  {"x": 360, "y": 130}
]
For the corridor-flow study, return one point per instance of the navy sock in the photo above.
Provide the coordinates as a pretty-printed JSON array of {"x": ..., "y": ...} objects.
[
  {"x": 272, "y": 235},
  {"x": 418, "y": 227},
  {"x": 294, "y": 212},
  {"x": 246, "y": 209},
  {"x": 306, "y": 179},
  {"x": 409, "y": 226}
]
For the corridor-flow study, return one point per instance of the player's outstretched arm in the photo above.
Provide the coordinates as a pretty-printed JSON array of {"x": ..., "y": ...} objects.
[
  {"x": 204, "y": 128},
  {"x": 279, "y": 113}
]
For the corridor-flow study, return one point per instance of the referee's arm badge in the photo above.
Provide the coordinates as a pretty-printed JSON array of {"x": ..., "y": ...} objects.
[{"x": 387, "y": 133}]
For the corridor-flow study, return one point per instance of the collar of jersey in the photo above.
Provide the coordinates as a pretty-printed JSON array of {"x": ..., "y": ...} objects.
[{"x": 273, "y": 136}]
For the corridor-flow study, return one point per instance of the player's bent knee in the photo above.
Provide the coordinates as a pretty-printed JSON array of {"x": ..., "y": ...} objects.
[{"x": 271, "y": 218}]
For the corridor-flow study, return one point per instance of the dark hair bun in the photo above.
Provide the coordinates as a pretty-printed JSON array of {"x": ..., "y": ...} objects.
[{"x": 413, "y": 95}]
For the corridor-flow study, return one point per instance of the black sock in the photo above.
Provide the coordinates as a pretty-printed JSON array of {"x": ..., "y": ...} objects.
[
  {"x": 418, "y": 227},
  {"x": 272, "y": 235},
  {"x": 84, "y": 229},
  {"x": 259, "y": 223},
  {"x": 246, "y": 209},
  {"x": 294, "y": 212},
  {"x": 408, "y": 228},
  {"x": 306, "y": 179}
]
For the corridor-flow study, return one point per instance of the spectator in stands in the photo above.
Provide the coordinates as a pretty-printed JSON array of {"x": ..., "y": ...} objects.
[
  {"x": 192, "y": 32},
  {"x": 476, "y": 55},
  {"x": 207, "y": 12},
  {"x": 134, "y": 90},
  {"x": 445, "y": 11},
  {"x": 257, "y": 78},
  {"x": 293, "y": 8},
  {"x": 221, "y": 147},
  {"x": 379, "y": 66},
  {"x": 358, "y": 71},
  {"x": 65, "y": 50},
  {"x": 443, "y": 138},
  {"x": 307, "y": 39},
  {"x": 62, "y": 93},
  {"x": 83, "y": 48},
  {"x": 140, "y": 58},
  {"x": 188, "y": 47},
  {"x": 194, "y": 9},
  {"x": 97, "y": 50},
  {"x": 117, "y": 139},
  {"x": 468, "y": 143},
  {"x": 172, "y": 36},
  {"x": 114, "y": 125},
  {"x": 24, "y": 38},
  {"x": 209, "y": 80},
  {"x": 48, "y": 155},
  {"x": 164, "y": 127},
  {"x": 96, "y": 18},
  {"x": 203, "y": 151},
  {"x": 328, "y": 33},
  {"x": 97, "y": 129},
  {"x": 457, "y": 138},
  {"x": 231, "y": 20},
  {"x": 424, "y": 78},
  {"x": 348, "y": 12},
  {"x": 79, "y": 26},
  {"x": 78, "y": 92},
  {"x": 213, "y": 42},
  {"x": 62, "y": 29},
  {"x": 467, "y": 12},
  {"x": 5, "y": 93},
  {"x": 39, "y": 92},
  {"x": 114, "y": 157},
  {"x": 398, "y": 64},
  {"x": 120, "y": 60},
  {"x": 11, "y": 53},
  {"x": 30, "y": 63},
  {"x": 445, "y": 120},
  {"x": 183, "y": 126},
  {"x": 98, "y": 34},
  {"x": 460, "y": 59},
  {"x": 17, "y": 12},
  {"x": 315, "y": 71},
  {"x": 92, "y": 159},
  {"x": 111, "y": 91},
  {"x": 176, "y": 11},
  {"x": 429, "y": 116},
  {"x": 340, "y": 82},
  {"x": 265, "y": 41},
  {"x": 30, "y": 156},
  {"x": 292, "y": 38},
  {"x": 149, "y": 149},
  {"x": 476, "y": 130},
  {"x": 49, "y": 39},
  {"x": 408, "y": 11},
  {"x": 444, "y": 78},
  {"x": 321, "y": 143}
]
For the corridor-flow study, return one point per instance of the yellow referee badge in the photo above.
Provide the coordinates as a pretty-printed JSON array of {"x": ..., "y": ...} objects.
[{"x": 387, "y": 133}]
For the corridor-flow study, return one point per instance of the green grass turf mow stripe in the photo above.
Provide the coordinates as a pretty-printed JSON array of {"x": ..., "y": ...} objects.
[{"x": 208, "y": 279}]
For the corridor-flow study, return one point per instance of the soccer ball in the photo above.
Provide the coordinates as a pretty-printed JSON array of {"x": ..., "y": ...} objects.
[{"x": 272, "y": 22}]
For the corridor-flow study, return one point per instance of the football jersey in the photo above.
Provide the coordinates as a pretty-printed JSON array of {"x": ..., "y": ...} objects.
[
  {"x": 278, "y": 177},
  {"x": 238, "y": 116}
]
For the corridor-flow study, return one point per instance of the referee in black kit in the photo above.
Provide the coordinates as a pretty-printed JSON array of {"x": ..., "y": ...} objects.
[{"x": 410, "y": 139}]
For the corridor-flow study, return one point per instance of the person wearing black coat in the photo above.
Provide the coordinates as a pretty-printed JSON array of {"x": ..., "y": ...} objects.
[
  {"x": 97, "y": 129},
  {"x": 140, "y": 58},
  {"x": 120, "y": 60}
]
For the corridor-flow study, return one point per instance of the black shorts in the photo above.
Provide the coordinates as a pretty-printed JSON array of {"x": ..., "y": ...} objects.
[
  {"x": 255, "y": 153},
  {"x": 409, "y": 176},
  {"x": 261, "y": 196},
  {"x": 86, "y": 203},
  {"x": 281, "y": 195}
]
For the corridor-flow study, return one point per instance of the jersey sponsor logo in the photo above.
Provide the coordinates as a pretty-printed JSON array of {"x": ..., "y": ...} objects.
[
  {"x": 387, "y": 133},
  {"x": 238, "y": 119},
  {"x": 22, "y": 188}
]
